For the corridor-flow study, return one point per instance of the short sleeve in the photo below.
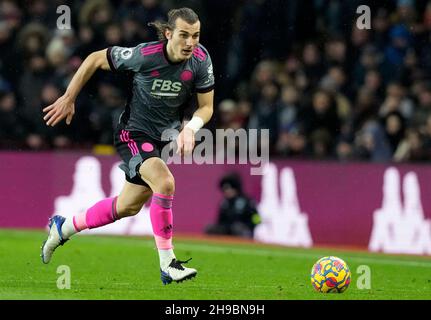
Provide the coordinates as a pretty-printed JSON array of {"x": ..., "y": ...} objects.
[
  {"x": 205, "y": 76},
  {"x": 126, "y": 59}
]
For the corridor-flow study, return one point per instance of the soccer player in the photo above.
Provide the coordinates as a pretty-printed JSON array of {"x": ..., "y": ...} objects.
[{"x": 166, "y": 74}]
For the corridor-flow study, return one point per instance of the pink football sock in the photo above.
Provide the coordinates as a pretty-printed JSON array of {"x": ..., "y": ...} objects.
[
  {"x": 162, "y": 220},
  {"x": 102, "y": 213}
]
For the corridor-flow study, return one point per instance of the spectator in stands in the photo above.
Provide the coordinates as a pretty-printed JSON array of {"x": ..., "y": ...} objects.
[
  {"x": 336, "y": 52},
  {"x": 411, "y": 148},
  {"x": 321, "y": 123},
  {"x": 369, "y": 60},
  {"x": 96, "y": 14},
  {"x": 265, "y": 111},
  {"x": 228, "y": 111},
  {"x": 7, "y": 54},
  {"x": 113, "y": 35},
  {"x": 371, "y": 143},
  {"x": 365, "y": 108},
  {"x": 36, "y": 74},
  {"x": 244, "y": 110},
  {"x": 423, "y": 109},
  {"x": 105, "y": 112},
  {"x": 264, "y": 73},
  {"x": 397, "y": 100},
  {"x": 12, "y": 129},
  {"x": 131, "y": 31},
  {"x": 335, "y": 82},
  {"x": 373, "y": 83},
  {"x": 147, "y": 11},
  {"x": 288, "y": 104},
  {"x": 61, "y": 136},
  {"x": 394, "y": 126},
  {"x": 292, "y": 142},
  {"x": 381, "y": 24},
  {"x": 400, "y": 40},
  {"x": 367, "y": 72},
  {"x": 312, "y": 63},
  {"x": 11, "y": 14},
  {"x": 87, "y": 42},
  {"x": 237, "y": 214}
]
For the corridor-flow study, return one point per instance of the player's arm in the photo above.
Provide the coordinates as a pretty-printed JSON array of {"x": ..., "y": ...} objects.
[
  {"x": 64, "y": 107},
  {"x": 205, "y": 109},
  {"x": 186, "y": 139}
]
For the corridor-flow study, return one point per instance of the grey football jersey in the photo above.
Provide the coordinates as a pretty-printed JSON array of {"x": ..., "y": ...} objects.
[{"x": 160, "y": 88}]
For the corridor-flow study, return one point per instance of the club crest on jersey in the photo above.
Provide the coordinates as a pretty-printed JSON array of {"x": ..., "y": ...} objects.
[
  {"x": 186, "y": 75},
  {"x": 165, "y": 88}
]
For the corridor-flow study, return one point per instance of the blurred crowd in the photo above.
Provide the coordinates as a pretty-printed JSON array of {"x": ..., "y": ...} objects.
[{"x": 324, "y": 88}]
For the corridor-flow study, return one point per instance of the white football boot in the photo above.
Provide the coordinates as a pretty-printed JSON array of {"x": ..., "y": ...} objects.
[
  {"x": 55, "y": 238},
  {"x": 175, "y": 271}
]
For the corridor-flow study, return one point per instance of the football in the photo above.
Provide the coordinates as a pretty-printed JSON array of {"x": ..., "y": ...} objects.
[{"x": 330, "y": 275}]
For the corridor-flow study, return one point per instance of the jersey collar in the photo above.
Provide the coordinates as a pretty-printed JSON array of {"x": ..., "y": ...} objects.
[{"x": 165, "y": 52}]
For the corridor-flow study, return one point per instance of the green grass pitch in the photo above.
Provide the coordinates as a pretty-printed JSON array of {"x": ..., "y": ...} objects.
[{"x": 108, "y": 267}]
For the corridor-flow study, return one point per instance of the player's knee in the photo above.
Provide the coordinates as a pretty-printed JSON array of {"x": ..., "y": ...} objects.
[{"x": 167, "y": 185}]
